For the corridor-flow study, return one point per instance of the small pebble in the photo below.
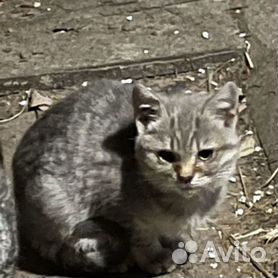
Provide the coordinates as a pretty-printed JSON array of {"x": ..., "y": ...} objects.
[
  {"x": 48, "y": 9},
  {"x": 237, "y": 11},
  {"x": 232, "y": 179},
  {"x": 249, "y": 132},
  {"x": 84, "y": 84},
  {"x": 271, "y": 186},
  {"x": 37, "y": 4},
  {"x": 239, "y": 212},
  {"x": 242, "y": 199},
  {"x": 129, "y": 18},
  {"x": 238, "y": 269},
  {"x": 242, "y": 35},
  {"x": 145, "y": 51},
  {"x": 126, "y": 81},
  {"x": 211, "y": 254},
  {"x": 176, "y": 32},
  {"x": 214, "y": 265},
  {"x": 259, "y": 192},
  {"x": 256, "y": 198},
  {"x": 205, "y": 35},
  {"x": 269, "y": 192},
  {"x": 269, "y": 210},
  {"x": 202, "y": 71},
  {"x": 23, "y": 102},
  {"x": 258, "y": 149},
  {"x": 191, "y": 78}
]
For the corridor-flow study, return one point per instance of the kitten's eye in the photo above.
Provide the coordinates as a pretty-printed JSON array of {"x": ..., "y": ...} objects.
[
  {"x": 168, "y": 156},
  {"x": 205, "y": 154}
]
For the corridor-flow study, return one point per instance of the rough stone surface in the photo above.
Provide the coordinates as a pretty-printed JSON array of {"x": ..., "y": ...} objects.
[
  {"x": 62, "y": 35},
  {"x": 262, "y": 85}
]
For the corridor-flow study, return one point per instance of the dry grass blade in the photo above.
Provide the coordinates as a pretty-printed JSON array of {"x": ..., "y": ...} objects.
[
  {"x": 253, "y": 233},
  {"x": 273, "y": 175},
  {"x": 245, "y": 253},
  {"x": 271, "y": 235}
]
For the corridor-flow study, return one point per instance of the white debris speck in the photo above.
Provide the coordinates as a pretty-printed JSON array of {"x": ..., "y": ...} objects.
[
  {"x": 238, "y": 269},
  {"x": 237, "y": 11},
  {"x": 145, "y": 51},
  {"x": 249, "y": 132},
  {"x": 244, "y": 100},
  {"x": 271, "y": 186},
  {"x": 258, "y": 149},
  {"x": 202, "y": 71},
  {"x": 242, "y": 35},
  {"x": 255, "y": 169},
  {"x": 250, "y": 204},
  {"x": 259, "y": 192},
  {"x": 244, "y": 243},
  {"x": 241, "y": 193},
  {"x": 214, "y": 265},
  {"x": 189, "y": 77},
  {"x": 256, "y": 198},
  {"x": 176, "y": 32},
  {"x": 129, "y": 18},
  {"x": 84, "y": 84},
  {"x": 205, "y": 35},
  {"x": 187, "y": 91},
  {"x": 239, "y": 212},
  {"x": 242, "y": 199},
  {"x": 232, "y": 179},
  {"x": 221, "y": 275},
  {"x": 48, "y": 9},
  {"x": 214, "y": 83},
  {"x": 211, "y": 253},
  {"x": 37, "y": 4},
  {"x": 126, "y": 81},
  {"x": 220, "y": 234},
  {"x": 269, "y": 192},
  {"x": 269, "y": 210},
  {"x": 23, "y": 102}
]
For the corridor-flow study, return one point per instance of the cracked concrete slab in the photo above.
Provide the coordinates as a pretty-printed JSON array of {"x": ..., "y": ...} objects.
[{"x": 62, "y": 35}]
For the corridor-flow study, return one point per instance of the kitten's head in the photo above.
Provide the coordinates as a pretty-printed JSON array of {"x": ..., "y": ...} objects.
[{"x": 186, "y": 141}]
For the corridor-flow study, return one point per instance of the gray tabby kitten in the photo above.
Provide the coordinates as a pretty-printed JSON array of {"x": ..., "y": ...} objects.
[{"x": 118, "y": 173}]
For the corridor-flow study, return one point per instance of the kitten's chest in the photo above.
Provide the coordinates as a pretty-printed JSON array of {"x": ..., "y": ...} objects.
[{"x": 161, "y": 223}]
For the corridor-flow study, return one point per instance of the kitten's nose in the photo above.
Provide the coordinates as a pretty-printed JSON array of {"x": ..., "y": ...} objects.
[{"x": 185, "y": 180}]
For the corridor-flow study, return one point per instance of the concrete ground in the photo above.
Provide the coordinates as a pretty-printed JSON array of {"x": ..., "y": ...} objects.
[{"x": 53, "y": 47}]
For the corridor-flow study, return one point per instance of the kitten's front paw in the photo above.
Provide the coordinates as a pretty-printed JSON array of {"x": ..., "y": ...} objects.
[
  {"x": 160, "y": 263},
  {"x": 88, "y": 247}
]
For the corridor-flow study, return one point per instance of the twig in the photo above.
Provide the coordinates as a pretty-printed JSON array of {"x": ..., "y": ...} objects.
[
  {"x": 255, "y": 264},
  {"x": 217, "y": 70},
  {"x": 253, "y": 233},
  {"x": 273, "y": 175},
  {"x": 20, "y": 112},
  {"x": 247, "y": 203},
  {"x": 14, "y": 116}
]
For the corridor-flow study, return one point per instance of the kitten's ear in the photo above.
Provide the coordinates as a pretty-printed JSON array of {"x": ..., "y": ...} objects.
[
  {"x": 224, "y": 104},
  {"x": 147, "y": 108}
]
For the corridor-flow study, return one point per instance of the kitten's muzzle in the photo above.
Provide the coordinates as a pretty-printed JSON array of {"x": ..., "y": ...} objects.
[{"x": 185, "y": 173}]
